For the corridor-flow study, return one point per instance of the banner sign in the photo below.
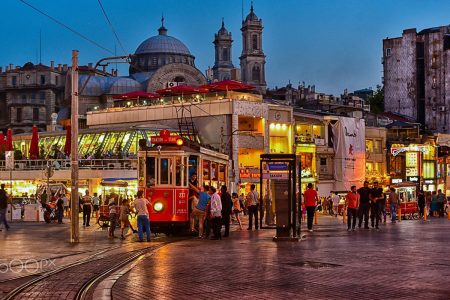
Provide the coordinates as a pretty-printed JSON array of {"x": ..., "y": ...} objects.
[
  {"x": 350, "y": 146},
  {"x": 276, "y": 176},
  {"x": 278, "y": 167},
  {"x": 9, "y": 160}
]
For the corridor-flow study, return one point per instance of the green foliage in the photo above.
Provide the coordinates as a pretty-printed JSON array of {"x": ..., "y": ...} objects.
[{"x": 377, "y": 100}]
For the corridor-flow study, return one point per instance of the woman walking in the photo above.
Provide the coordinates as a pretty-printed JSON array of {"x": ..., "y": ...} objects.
[{"x": 237, "y": 209}]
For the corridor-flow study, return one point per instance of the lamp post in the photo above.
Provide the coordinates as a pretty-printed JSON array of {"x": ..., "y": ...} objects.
[{"x": 74, "y": 207}]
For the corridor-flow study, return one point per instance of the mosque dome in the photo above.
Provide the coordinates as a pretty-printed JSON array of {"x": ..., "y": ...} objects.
[{"x": 162, "y": 43}]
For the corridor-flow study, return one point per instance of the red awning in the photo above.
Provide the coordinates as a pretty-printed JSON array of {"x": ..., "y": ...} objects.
[
  {"x": 2, "y": 142},
  {"x": 9, "y": 143},
  {"x": 34, "y": 145},
  {"x": 136, "y": 94},
  {"x": 182, "y": 90},
  {"x": 68, "y": 144},
  {"x": 228, "y": 85}
]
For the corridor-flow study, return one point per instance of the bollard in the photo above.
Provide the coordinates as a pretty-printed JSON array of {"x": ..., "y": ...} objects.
[
  {"x": 344, "y": 216},
  {"x": 448, "y": 215},
  {"x": 399, "y": 214},
  {"x": 315, "y": 218},
  {"x": 425, "y": 213}
]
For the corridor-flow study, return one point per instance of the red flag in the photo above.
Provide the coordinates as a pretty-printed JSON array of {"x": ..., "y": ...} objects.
[
  {"x": 9, "y": 143},
  {"x": 34, "y": 145},
  {"x": 68, "y": 144}
]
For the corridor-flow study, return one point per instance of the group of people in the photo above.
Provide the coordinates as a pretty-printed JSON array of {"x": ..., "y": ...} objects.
[
  {"x": 211, "y": 210},
  {"x": 360, "y": 203},
  {"x": 59, "y": 201}
]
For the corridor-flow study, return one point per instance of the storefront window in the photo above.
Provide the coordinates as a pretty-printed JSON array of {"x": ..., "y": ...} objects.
[
  {"x": 396, "y": 164},
  {"x": 430, "y": 154},
  {"x": 279, "y": 144},
  {"x": 307, "y": 165},
  {"x": 369, "y": 146},
  {"x": 428, "y": 169},
  {"x": 377, "y": 146}
]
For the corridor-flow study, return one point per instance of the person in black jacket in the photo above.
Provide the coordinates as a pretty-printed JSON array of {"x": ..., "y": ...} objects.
[
  {"x": 227, "y": 205},
  {"x": 421, "y": 202}
]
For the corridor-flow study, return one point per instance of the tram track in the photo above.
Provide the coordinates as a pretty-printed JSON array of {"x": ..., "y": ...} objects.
[{"x": 79, "y": 278}]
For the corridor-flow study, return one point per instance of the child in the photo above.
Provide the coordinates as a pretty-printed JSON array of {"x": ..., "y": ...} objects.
[
  {"x": 237, "y": 209},
  {"x": 124, "y": 221}
]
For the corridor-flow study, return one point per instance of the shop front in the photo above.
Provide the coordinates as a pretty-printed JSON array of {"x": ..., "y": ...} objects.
[
  {"x": 306, "y": 155},
  {"x": 249, "y": 172}
]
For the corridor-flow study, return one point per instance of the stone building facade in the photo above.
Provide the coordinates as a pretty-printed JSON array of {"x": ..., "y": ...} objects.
[
  {"x": 223, "y": 64},
  {"x": 30, "y": 94},
  {"x": 417, "y": 76}
]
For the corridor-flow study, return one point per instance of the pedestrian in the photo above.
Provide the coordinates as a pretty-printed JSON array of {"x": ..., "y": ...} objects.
[
  {"x": 208, "y": 219},
  {"x": 440, "y": 202},
  {"x": 428, "y": 202},
  {"x": 87, "y": 208},
  {"x": 227, "y": 209},
  {"x": 96, "y": 204},
  {"x": 394, "y": 204},
  {"x": 216, "y": 212},
  {"x": 364, "y": 205},
  {"x": 434, "y": 206},
  {"x": 352, "y": 203},
  {"x": 241, "y": 202},
  {"x": 3, "y": 206},
  {"x": 382, "y": 203},
  {"x": 421, "y": 203},
  {"x": 125, "y": 212},
  {"x": 252, "y": 206},
  {"x": 60, "y": 209},
  {"x": 376, "y": 195},
  {"x": 66, "y": 205},
  {"x": 143, "y": 219},
  {"x": 112, "y": 207},
  {"x": 335, "y": 199},
  {"x": 237, "y": 209},
  {"x": 199, "y": 211},
  {"x": 310, "y": 197},
  {"x": 44, "y": 199}
]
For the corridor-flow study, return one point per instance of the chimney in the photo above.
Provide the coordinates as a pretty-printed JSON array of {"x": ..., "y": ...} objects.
[
  {"x": 1, "y": 70},
  {"x": 52, "y": 64},
  {"x": 64, "y": 67},
  {"x": 90, "y": 65},
  {"x": 104, "y": 69},
  {"x": 11, "y": 67},
  {"x": 59, "y": 67}
]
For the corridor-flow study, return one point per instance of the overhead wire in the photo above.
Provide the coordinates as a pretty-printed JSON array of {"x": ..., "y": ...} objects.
[
  {"x": 67, "y": 27},
  {"x": 111, "y": 26}
]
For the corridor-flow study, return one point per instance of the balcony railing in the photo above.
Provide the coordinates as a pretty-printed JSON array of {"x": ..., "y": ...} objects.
[{"x": 64, "y": 164}]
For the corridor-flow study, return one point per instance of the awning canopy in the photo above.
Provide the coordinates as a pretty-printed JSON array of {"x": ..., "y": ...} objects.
[
  {"x": 228, "y": 85},
  {"x": 182, "y": 90},
  {"x": 443, "y": 139},
  {"x": 137, "y": 94}
]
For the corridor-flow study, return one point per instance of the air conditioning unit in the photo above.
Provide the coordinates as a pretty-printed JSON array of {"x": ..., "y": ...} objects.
[
  {"x": 172, "y": 84},
  {"x": 441, "y": 108}
]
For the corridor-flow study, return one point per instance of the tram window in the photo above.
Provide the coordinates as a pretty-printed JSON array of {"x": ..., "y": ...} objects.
[
  {"x": 222, "y": 173},
  {"x": 179, "y": 171},
  {"x": 150, "y": 171},
  {"x": 165, "y": 171},
  {"x": 206, "y": 175},
  {"x": 214, "y": 171},
  {"x": 193, "y": 163}
]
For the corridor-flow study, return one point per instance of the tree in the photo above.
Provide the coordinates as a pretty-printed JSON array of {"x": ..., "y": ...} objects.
[{"x": 377, "y": 100}]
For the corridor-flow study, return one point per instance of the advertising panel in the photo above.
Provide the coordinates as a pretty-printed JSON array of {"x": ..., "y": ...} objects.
[{"x": 350, "y": 158}]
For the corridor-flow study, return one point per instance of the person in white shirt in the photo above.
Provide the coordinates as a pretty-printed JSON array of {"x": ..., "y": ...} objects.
[
  {"x": 335, "y": 198},
  {"x": 143, "y": 220},
  {"x": 216, "y": 212}
]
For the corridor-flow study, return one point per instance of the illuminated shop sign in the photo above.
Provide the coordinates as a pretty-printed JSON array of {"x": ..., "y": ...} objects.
[
  {"x": 413, "y": 178},
  {"x": 411, "y": 148},
  {"x": 396, "y": 180},
  {"x": 428, "y": 181}
]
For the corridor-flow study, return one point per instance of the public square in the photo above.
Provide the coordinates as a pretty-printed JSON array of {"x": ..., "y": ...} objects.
[{"x": 405, "y": 260}]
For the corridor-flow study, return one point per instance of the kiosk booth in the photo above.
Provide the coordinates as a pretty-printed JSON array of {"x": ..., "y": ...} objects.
[{"x": 279, "y": 191}]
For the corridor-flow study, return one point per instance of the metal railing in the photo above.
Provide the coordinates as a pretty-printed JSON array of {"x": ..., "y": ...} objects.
[{"x": 64, "y": 164}]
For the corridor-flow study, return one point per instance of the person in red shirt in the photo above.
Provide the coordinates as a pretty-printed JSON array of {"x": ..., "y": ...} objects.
[
  {"x": 310, "y": 198},
  {"x": 352, "y": 203}
]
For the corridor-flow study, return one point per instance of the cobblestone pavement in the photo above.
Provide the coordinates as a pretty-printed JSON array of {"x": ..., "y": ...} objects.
[{"x": 407, "y": 260}]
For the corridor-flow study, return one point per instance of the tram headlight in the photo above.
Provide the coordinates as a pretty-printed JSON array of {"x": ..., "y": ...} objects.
[
  {"x": 180, "y": 142},
  {"x": 158, "y": 206}
]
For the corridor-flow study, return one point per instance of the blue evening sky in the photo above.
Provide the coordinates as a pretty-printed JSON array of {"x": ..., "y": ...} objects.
[{"x": 332, "y": 44}]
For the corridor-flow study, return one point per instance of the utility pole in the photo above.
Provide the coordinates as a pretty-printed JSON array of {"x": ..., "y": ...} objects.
[{"x": 74, "y": 227}]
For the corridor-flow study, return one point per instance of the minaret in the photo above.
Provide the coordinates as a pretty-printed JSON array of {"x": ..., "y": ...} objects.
[
  {"x": 252, "y": 58},
  {"x": 223, "y": 63}
]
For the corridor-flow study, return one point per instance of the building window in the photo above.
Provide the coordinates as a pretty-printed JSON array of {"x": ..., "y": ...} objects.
[
  {"x": 33, "y": 96},
  {"x": 154, "y": 60},
  {"x": 388, "y": 52},
  {"x": 255, "y": 73},
  {"x": 14, "y": 81},
  {"x": 377, "y": 146},
  {"x": 56, "y": 80},
  {"x": 323, "y": 161},
  {"x": 42, "y": 96},
  {"x": 42, "y": 79},
  {"x": 224, "y": 54},
  {"x": 369, "y": 146},
  {"x": 19, "y": 114},
  {"x": 36, "y": 114},
  {"x": 254, "y": 42}
]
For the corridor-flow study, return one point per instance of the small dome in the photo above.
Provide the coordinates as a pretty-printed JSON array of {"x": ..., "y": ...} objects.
[{"x": 162, "y": 43}]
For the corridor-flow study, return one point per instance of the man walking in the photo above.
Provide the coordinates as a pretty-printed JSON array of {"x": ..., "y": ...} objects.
[
  {"x": 376, "y": 195},
  {"x": 87, "y": 208},
  {"x": 364, "y": 205},
  {"x": 3, "y": 206},
  {"x": 393, "y": 199},
  {"x": 143, "y": 220},
  {"x": 335, "y": 199},
  {"x": 216, "y": 212},
  {"x": 253, "y": 205},
  {"x": 421, "y": 203},
  {"x": 96, "y": 204},
  {"x": 227, "y": 205},
  {"x": 199, "y": 211},
  {"x": 352, "y": 203},
  {"x": 310, "y": 197},
  {"x": 440, "y": 201}
]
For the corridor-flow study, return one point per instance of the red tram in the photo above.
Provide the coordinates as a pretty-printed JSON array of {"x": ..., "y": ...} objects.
[{"x": 164, "y": 171}]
